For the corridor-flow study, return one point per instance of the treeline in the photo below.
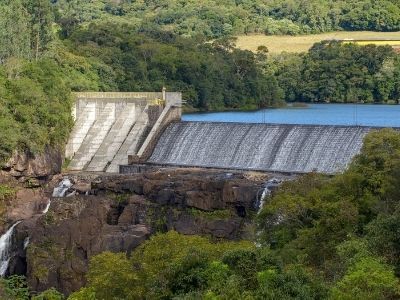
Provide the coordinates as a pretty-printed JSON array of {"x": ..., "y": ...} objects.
[
  {"x": 214, "y": 19},
  {"x": 335, "y": 72},
  {"x": 319, "y": 237},
  {"x": 212, "y": 76}
]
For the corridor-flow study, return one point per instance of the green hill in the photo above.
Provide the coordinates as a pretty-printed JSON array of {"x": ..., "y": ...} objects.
[{"x": 213, "y": 18}]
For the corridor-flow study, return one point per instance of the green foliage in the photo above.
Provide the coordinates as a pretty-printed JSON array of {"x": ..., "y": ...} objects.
[
  {"x": 212, "y": 215},
  {"x": 295, "y": 283},
  {"x": 50, "y": 294},
  {"x": 6, "y": 192},
  {"x": 346, "y": 226},
  {"x": 36, "y": 108},
  {"x": 211, "y": 76},
  {"x": 112, "y": 276},
  {"x": 14, "y": 31},
  {"x": 336, "y": 72},
  {"x": 384, "y": 239},
  {"x": 25, "y": 28},
  {"x": 367, "y": 279},
  {"x": 189, "y": 267},
  {"x": 41, "y": 19},
  {"x": 215, "y": 19},
  {"x": 15, "y": 287}
]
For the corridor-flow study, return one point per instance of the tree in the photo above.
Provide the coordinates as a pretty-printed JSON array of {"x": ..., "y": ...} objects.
[
  {"x": 50, "y": 294},
  {"x": 15, "y": 36},
  {"x": 41, "y": 21},
  {"x": 368, "y": 279}
]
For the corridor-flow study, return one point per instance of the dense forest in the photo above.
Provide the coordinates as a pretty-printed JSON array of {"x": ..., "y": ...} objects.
[{"x": 215, "y": 19}]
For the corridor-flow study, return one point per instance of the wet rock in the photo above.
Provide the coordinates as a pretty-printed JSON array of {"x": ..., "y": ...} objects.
[{"x": 82, "y": 187}]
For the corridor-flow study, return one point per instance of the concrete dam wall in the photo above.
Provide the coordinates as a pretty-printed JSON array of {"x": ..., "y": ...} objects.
[
  {"x": 111, "y": 126},
  {"x": 266, "y": 147}
]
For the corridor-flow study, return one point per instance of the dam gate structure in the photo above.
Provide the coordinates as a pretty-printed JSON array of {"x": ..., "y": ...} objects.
[{"x": 111, "y": 126}]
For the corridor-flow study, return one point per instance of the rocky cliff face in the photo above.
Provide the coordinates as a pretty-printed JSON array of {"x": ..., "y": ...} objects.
[
  {"x": 118, "y": 213},
  {"x": 28, "y": 176},
  {"x": 24, "y": 165}
]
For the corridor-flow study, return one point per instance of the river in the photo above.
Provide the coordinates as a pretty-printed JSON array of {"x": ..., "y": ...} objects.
[{"x": 320, "y": 114}]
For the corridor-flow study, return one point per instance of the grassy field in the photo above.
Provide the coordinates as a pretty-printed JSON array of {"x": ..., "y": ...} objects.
[{"x": 301, "y": 43}]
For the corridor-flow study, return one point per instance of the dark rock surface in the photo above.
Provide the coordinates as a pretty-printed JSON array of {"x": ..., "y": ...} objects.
[
  {"x": 121, "y": 212},
  {"x": 26, "y": 165}
]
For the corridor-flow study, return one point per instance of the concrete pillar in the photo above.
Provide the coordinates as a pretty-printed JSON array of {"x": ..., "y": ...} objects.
[{"x": 164, "y": 92}]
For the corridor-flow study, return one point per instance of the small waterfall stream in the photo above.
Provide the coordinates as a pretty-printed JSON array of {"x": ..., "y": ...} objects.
[
  {"x": 270, "y": 185},
  {"x": 5, "y": 249},
  {"x": 6, "y": 238}
]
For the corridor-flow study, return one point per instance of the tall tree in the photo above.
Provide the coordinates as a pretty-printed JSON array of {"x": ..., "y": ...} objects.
[
  {"x": 41, "y": 20},
  {"x": 14, "y": 31}
]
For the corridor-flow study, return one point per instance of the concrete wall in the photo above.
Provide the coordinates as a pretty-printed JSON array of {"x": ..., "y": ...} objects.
[
  {"x": 169, "y": 115},
  {"x": 105, "y": 130}
]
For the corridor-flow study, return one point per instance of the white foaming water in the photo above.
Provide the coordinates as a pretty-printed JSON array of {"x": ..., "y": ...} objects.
[
  {"x": 5, "y": 249},
  {"x": 267, "y": 147},
  {"x": 47, "y": 208},
  {"x": 61, "y": 189},
  {"x": 26, "y": 242},
  {"x": 270, "y": 185}
]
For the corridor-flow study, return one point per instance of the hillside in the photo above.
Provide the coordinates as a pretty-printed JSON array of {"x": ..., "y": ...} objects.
[{"x": 214, "y": 19}]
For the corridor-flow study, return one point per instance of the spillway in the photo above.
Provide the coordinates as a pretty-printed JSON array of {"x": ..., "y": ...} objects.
[{"x": 266, "y": 147}]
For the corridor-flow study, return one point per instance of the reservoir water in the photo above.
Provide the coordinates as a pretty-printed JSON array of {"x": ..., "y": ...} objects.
[{"x": 317, "y": 114}]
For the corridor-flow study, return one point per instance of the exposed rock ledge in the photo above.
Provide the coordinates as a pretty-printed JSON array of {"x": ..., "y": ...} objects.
[
  {"x": 121, "y": 212},
  {"x": 24, "y": 165}
]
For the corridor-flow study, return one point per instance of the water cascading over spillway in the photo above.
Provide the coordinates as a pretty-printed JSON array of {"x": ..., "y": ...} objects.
[
  {"x": 5, "y": 249},
  {"x": 264, "y": 147}
]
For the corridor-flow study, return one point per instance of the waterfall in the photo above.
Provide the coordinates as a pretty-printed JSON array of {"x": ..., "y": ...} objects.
[
  {"x": 6, "y": 239},
  {"x": 61, "y": 190},
  {"x": 265, "y": 147},
  {"x": 26, "y": 242},
  {"x": 47, "y": 208},
  {"x": 5, "y": 249},
  {"x": 269, "y": 186}
]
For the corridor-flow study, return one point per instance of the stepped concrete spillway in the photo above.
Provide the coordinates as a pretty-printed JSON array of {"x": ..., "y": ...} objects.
[
  {"x": 264, "y": 147},
  {"x": 109, "y": 127}
]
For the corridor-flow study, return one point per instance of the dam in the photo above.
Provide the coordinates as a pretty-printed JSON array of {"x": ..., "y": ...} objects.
[
  {"x": 262, "y": 147},
  {"x": 122, "y": 132}
]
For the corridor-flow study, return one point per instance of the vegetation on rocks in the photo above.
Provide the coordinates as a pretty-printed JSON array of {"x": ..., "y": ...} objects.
[{"x": 320, "y": 237}]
